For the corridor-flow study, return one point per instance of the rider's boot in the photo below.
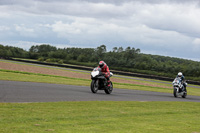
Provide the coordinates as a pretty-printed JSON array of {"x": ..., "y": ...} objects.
[
  {"x": 184, "y": 89},
  {"x": 108, "y": 83}
]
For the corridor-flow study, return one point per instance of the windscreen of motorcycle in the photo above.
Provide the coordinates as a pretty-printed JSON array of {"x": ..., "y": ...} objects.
[{"x": 94, "y": 73}]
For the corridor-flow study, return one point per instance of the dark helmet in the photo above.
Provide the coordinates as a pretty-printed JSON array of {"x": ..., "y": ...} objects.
[{"x": 101, "y": 64}]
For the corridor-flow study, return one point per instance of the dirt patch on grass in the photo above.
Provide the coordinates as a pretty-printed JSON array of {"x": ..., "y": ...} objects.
[{"x": 43, "y": 70}]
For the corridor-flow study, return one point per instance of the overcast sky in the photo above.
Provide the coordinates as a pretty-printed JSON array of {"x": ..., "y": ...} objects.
[{"x": 161, "y": 27}]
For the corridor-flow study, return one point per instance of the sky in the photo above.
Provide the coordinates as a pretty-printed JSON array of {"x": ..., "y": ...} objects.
[{"x": 158, "y": 27}]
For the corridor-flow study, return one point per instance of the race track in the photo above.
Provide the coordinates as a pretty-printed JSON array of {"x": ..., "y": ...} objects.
[{"x": 13, "y": 91}]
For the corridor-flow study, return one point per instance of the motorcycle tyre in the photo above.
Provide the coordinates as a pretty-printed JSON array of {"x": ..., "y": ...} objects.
[
  {"x": 109, "y": 89},
  {"x": 92, "y": 86},
  {"x": 175, "y": 92},
  {"x": 185, "y": 94}
]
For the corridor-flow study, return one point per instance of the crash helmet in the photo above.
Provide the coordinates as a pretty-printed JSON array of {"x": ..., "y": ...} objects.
[
  {"x": 101, "y": 64},
  {"x": 180, "y": 74}
]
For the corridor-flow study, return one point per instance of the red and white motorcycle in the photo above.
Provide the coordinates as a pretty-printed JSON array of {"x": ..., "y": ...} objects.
[{"x": 99, "y": 81}]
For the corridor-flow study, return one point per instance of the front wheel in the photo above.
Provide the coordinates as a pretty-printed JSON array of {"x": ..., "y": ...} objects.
[
  {"x": 94, "y": 86},
  {"x": 109, "y": 89},
  {"x": 184, "y": 94},
  {"x": 175, "y": 92}
]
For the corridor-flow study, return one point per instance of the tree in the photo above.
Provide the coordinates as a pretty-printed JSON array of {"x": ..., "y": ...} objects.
[
  {"x": 10, "y": 51},
  {"x": 130, "y": 53},
  {"x": 115, "y": 49},
  {"x": 42, "y": 50},
  {"x": 100, "y": 51},
  {"x": 120, "y": 49}
]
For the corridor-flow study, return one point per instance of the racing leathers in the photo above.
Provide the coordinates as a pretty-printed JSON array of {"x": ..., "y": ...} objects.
[
  {"x": 105, "y": 70},
  {"x": 183, "y": 81}
]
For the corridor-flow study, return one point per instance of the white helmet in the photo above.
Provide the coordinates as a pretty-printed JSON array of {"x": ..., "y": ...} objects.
[{"x": 180, "y": 74}]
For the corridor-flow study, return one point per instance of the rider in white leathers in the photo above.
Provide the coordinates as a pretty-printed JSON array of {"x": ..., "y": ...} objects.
[{"x": 180, "y": 75}]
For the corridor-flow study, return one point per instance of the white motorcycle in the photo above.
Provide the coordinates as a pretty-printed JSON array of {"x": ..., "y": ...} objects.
[
  {"x": 99, "y": 82},
  {"x": 178, "y": 88}
]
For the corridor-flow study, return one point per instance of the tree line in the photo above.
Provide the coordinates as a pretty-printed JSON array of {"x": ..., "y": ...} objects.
[{"x": 119, "y": 58}]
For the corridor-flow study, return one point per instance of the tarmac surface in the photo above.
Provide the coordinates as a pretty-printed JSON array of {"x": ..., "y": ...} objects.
[{"x": 14, "y": 91}]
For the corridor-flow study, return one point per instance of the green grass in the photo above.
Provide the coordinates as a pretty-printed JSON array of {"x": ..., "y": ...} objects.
[
  {"x": 44, "y": 78},
  {"x": 97, "y": 116},
  {"x": 100, "y": 116}
]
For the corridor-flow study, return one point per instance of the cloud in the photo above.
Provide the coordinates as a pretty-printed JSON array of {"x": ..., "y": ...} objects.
[
  {"x": 22, "y": 28},
  {"x": 196, "y": 44},
  {"x": 24, "y": 31},
  {"x": 154, "y": 26},
  {"x": 4, "y": 28},
  {"x": 197, "y": 41},
  {"x": 63, "y": 29},
  {"x": 180, "y": 18}
]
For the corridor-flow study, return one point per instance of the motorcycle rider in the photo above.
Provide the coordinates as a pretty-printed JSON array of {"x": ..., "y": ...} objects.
[
  {"x": 105, "y": 71},
  {"x": 180, "y": 75}
]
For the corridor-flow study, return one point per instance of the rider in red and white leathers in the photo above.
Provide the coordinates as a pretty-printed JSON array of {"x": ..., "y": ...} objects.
[{"x": 105, "y": 70}]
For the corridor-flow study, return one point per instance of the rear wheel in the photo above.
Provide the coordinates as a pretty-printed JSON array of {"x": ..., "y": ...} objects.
[
  {"x": 109, "y": 89},
  {"x": 94, "y": 86},
  {"x": 175, "y": 92}
]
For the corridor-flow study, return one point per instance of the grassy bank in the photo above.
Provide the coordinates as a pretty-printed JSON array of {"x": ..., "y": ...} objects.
[
  {"x": 88, "y": 117},
  {"x": 44, "y": 78}
]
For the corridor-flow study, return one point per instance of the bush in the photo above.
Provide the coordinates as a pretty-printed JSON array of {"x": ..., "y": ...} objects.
[
  {"x": 48, "y": 60},
  {"x": 60, "y": 62},
  {"x": 40, "y": 59}
]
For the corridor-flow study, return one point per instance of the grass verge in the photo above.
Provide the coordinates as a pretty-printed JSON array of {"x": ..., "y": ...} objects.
[
  {"x": 100, "y": 116},
  {"x": 44, "y": 78}
]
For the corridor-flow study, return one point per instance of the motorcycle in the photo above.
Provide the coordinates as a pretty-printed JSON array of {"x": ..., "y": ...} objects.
[
  {"x": 179, "y": 89},
  {"x": 99, "y": 81}
]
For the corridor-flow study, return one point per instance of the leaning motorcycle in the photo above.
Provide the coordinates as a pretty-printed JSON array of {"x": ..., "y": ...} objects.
[
  {"x": 179, "y": 89},
  {"x": 99, "y": 81}
]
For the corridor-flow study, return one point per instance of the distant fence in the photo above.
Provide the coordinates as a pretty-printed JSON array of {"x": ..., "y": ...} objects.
[{"x": 114, "y": 71}]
